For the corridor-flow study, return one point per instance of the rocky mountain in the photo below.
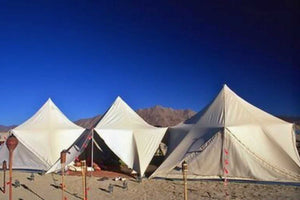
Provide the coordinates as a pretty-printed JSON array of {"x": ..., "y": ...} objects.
[
  {"x": 157, "y": 116},
  {"x": 163, "y": 117},
  {"x": 6, "y": 128},
  {"x": 89, "y": 122}
]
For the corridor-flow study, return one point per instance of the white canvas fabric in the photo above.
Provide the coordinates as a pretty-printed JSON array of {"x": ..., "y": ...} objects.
[
  {"x": 42, "y": 138},
  {"x": 74, "y": 151},
  {"x": 132, "y": 139},
  {"x": 234, "y": 136}
]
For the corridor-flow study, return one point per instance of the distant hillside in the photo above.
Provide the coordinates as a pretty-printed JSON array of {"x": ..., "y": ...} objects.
[
  {"x": 88, "y": 122},
  {"x": 156, "y": 116},
  {"x": 163, "y": 117},
  {"x": 295, "y": 120},
  {"x": 6, "y": 128}
]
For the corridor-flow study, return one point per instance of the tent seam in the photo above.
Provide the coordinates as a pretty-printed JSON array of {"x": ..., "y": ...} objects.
[
  {"x": 262, "y": 127},
  {"x": 282, "y": 171}
]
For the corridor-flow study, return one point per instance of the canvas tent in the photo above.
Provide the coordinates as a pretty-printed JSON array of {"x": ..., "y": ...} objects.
[
  {"x": 132, "y": 139},
  {"x": 42, "y": 138},
  {"x": 233, "y": 139}
]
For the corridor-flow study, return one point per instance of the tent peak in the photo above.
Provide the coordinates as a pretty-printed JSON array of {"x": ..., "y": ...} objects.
[
  {"x": 227, "y": 90},
  {"x": 49, "y": 100},
  {"x": 225, "y": 87},
  {"x": 49, "y": 103},
  {"x": 119, "y": 98}
]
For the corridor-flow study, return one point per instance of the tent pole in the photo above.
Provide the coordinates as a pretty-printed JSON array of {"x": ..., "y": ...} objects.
[
  {"x": 63, "y": 156},
  {"x": 184, "y": 173}
]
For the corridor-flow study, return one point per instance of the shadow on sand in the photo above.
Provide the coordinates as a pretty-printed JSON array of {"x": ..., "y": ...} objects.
[
  {"x": 30, "y": 190},
  {"x": 73, "y": 194},
  {"x": 104, "y": 190}
]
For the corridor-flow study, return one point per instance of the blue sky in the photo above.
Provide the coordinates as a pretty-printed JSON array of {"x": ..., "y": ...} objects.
[{"x": 83, "y": 54}]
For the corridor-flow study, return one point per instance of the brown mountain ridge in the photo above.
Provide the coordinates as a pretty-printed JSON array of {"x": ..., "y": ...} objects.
[
  {"x": 163, "y": 117},
  {"x": 157, "y": 116}
]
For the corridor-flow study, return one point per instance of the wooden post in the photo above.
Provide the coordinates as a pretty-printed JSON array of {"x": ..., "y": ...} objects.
[
  {"x": 11, "y": 144},
  {"x": 63, "y": 157},
  {"x": 184, "y": 173},
  {"x": 4, "y": 167},
  {"x": 83, "y": 172}
]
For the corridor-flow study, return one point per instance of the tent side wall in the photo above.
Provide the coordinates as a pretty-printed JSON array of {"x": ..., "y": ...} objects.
[
  {"x": 147, "y": 142},
  {"x": 74, "y": 151},
  {"x": 23, "y": 158}
]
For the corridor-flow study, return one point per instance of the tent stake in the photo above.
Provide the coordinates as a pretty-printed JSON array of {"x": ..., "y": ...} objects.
[
  {"x": 184, "y": 173},
  {"x": 11, "y": 144}
]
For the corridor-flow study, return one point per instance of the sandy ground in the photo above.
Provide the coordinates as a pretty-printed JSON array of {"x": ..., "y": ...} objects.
[{"x": 47, "y": 187}]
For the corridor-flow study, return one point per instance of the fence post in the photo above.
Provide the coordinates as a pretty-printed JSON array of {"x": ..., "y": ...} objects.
[
  {"x": 63, "y": 157},
  {"x": 184, "y": 173},
  {"x": 83, "y": 172},
  {"x": 11, "y": 144}
]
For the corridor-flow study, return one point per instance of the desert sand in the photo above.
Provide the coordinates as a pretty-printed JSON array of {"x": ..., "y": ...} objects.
[{"x": 47, "y": 187}]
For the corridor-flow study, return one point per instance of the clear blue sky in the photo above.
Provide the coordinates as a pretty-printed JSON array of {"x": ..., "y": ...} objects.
[{"x": 83, "y": 54}]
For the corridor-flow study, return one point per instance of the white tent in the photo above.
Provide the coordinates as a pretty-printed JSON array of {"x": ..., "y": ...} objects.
[
  {"x": 129, "y": 136},
  {"x": 233, "y": 139},
  {"x": 42, "y": 138}
]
